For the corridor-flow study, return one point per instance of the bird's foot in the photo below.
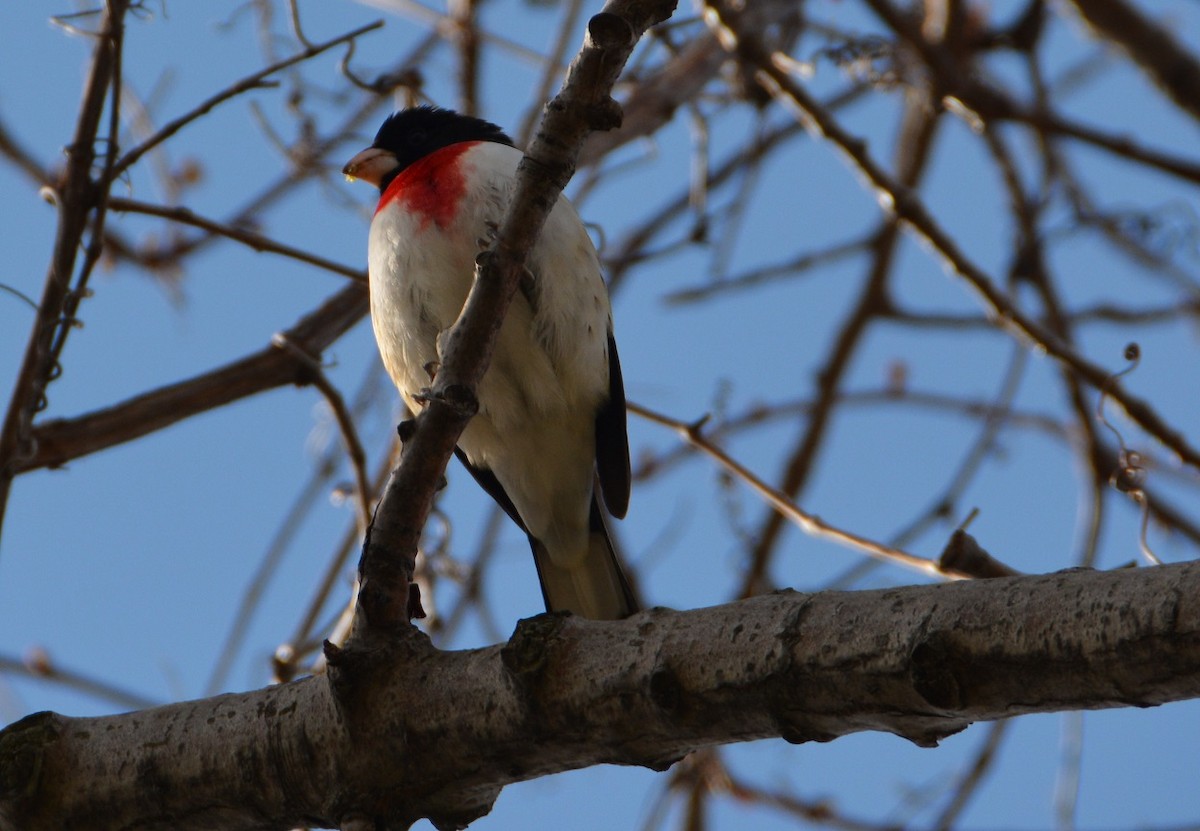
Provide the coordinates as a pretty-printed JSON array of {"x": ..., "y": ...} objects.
[{"x": 456, "y": 396}]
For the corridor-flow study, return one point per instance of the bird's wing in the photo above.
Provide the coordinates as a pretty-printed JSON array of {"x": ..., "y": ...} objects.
[{"x": 612, "y": 441}]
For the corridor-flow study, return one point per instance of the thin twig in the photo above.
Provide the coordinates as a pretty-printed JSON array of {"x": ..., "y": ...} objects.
[
  {"x": 335, "y": 571},
  {"x": 552, "y": 67},
  {"x": 39, "y": 666},
  {"x": 185, "y": 216},
  {"x": 969, "y": 783},
  {"x": 906, "y": 206},
  {"x": 75, "y": 199},
  {"x": 918, "y": 128},
  {"x": 997, "y": 416},
  {"x": 250, "y": 82},
  {"x": 317, "y": 485},
  {"x": 61, "y": 440},
  {"x": 812, "y": 525},
  {"x": 764, "y": 275},
  {"x": 337, "y": 404}
]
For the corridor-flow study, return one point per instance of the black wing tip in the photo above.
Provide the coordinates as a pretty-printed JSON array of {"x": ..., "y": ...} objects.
[{"x": 612, "y": 440}]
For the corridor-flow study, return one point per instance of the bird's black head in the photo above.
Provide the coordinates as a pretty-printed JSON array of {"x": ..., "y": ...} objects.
[{"x": 415, "y": 133}]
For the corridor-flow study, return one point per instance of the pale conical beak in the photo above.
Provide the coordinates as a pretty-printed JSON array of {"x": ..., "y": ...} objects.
[{"x": 371, "y": 165}]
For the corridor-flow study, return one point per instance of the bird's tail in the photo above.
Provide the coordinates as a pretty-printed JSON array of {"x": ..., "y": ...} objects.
[{"x": 596, "y": 588}]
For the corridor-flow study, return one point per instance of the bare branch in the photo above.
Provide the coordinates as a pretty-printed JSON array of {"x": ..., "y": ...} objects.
[
  {"x": 59, "y": 440},
  {"x": 448, "y": 730},
  {"x": 1155, "y": 49},
  {"x": 76, "y": 198},
  {"x": 255, "y": 81},
  {"x": 812, "y": 525},
  {"x": 38, "y": 664},
  {"x": 906, "y": 206},
  {"x": 258, "y": 242}
]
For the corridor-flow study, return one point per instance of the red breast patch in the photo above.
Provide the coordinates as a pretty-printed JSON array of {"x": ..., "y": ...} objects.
[{"x": 431, "y": 187}]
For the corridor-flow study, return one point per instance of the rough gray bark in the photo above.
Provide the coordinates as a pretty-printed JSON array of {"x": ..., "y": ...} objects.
[{"x": 400, "y": 731}]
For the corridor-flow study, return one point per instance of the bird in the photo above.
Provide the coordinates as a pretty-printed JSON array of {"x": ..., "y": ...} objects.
[{"x": 548, "y": 442}]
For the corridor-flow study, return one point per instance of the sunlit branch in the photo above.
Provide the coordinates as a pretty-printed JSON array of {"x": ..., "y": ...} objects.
[{"x": 812, "y": 525}]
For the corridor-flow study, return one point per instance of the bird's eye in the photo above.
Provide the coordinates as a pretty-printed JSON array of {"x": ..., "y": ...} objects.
[{"x": 417, "y": 137}]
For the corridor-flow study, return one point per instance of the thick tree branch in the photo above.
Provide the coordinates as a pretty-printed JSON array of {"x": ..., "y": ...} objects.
[{"x": 449, "y": 729}]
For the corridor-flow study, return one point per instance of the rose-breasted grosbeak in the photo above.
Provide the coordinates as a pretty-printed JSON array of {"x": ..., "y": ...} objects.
[{"x": 551, "y": 419}]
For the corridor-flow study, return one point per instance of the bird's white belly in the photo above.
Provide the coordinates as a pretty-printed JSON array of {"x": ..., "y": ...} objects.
[{"x": 523, "y": 413}]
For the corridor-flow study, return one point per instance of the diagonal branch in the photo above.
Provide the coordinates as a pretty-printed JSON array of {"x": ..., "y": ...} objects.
[
  {"x": 811, "y": 524},
  {"x": 583, "y": 105},
  {"x": 58, "y": 441},
  {"x": 185, "y": 216},
  {"x": 248, "y": 83},
  {"x": 1172, "y": 67}
]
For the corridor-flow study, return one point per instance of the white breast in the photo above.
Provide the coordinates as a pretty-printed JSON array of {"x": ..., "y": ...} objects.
[{"x": 549, "y": 372}]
